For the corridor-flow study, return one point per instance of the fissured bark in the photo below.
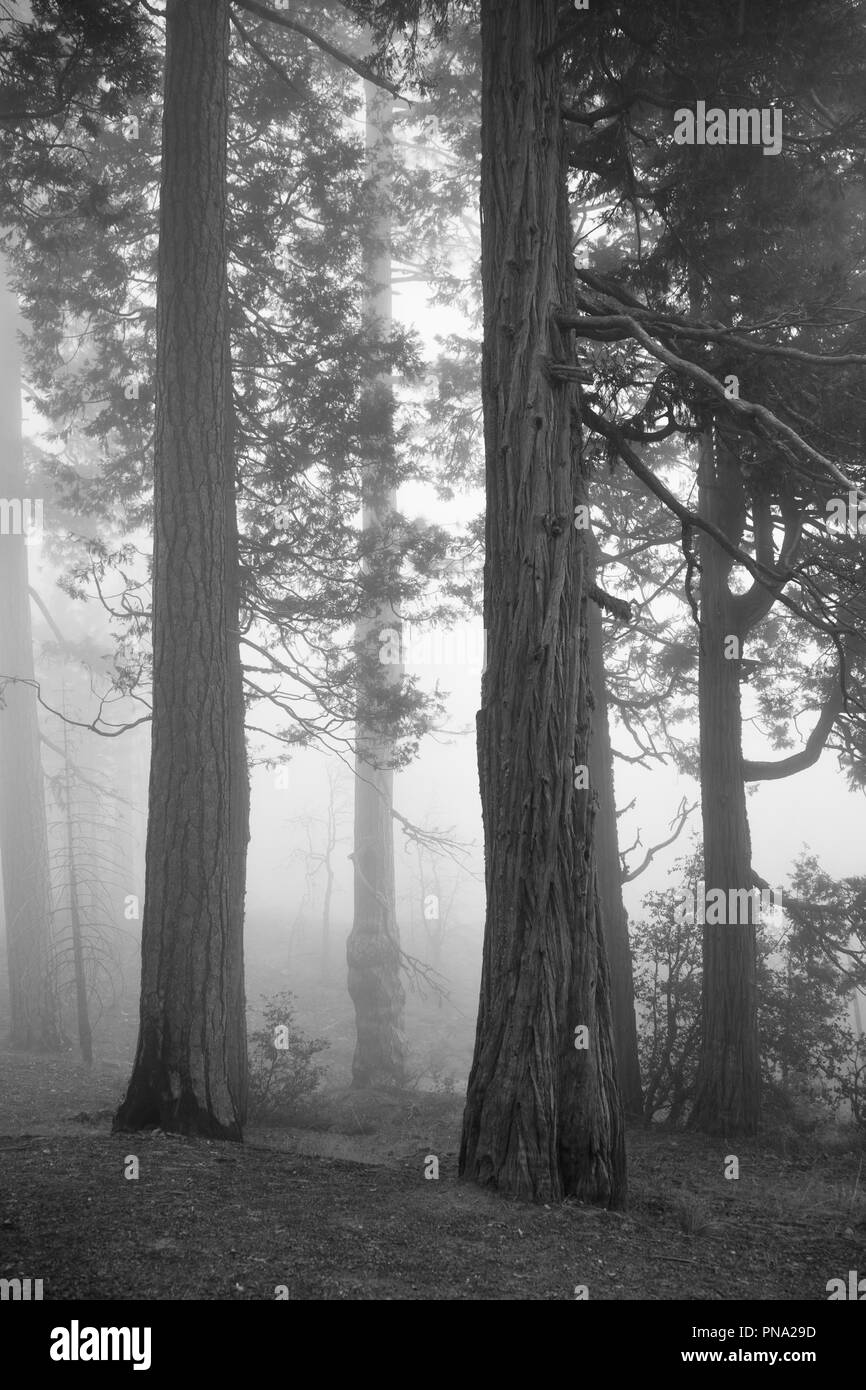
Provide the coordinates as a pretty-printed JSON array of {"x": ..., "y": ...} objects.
[
  {"x": 190, "y": 1069},
  {"x": 543, "y": 1117}
]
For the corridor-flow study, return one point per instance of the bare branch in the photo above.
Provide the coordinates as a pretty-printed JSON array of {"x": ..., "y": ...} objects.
[
  {"x": 678, "y": 822},
  {"x": 420, "y": 973}
]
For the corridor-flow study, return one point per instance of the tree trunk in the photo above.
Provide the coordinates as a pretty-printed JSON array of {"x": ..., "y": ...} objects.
[
  {"x": 543, "y": 1117},
  {"x": 82, "y": 1010},
  {"x": 190, "y": 1071},
  {"x": 34, "y": 1010},
  {"x": 609, "y": 873},
  {"x": 373, "y": 946},
  {"x": 727, "y": 1091},
  {"x": 330, "y": 845}
]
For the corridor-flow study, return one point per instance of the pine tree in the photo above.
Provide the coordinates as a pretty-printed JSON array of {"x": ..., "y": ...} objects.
[
  {"x": 373, "y": 947},
  {"x": 543, "y": 1117},
  {"x": 34, "y": 1022},
  {"x": 190, "y": 1071}
]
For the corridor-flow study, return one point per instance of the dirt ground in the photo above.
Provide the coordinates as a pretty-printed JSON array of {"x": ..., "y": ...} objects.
[{"x": 345, "y": 1211}]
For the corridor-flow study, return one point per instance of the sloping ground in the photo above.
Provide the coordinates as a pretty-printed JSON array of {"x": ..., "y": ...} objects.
[{"x": 218, "y": 1221}]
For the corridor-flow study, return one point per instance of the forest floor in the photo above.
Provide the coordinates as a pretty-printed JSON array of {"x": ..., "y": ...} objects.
[{"x": 343, "y": 1210}]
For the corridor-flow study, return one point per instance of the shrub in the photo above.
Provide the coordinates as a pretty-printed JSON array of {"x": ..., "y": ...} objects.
[
  {"x": 811, "y": 1060},
  {"x": 282, "y": 1072}
]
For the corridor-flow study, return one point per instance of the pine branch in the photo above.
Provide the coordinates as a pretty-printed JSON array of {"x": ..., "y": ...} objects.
[
  {"x": 626, "y": 326},
  {"x": 617, "y": 606},
  {"x": 82, "y": 777},
  {"x": 362, "y": 69},
  {"x": 111, "y": 731},
  {"x": 679, "y": 326},
  {"x": 750, "y": 608},
  {"x": 266, "y": 58},
  {"x": 771, "y": 579},
  {"x": 808, "y": 755},
  {"x": 616, "y": 108}
]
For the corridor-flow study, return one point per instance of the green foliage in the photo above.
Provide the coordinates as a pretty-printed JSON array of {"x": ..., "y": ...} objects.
[
  {"x": 75, "y": 60},
  {"x": 301, "y": 211},
  {"x": 693, "y": 1217},
  {"x": 667, "y": 987},
  {"x": 812, "y": 1062},
  {"x": 827, "y": 940},
  {"x": 281, "y": 1078},
  {"x": 770, "y": 247}
]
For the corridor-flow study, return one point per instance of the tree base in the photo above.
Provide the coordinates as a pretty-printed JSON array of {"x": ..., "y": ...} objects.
[
  {"x": 720, "y": 1118},
  {"x": 148, "y": 1107}
]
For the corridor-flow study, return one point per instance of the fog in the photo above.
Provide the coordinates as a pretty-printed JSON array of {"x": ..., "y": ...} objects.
[{"x": 432, "y": 661}]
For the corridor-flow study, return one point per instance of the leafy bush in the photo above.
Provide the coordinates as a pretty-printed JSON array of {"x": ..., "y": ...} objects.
[
  {"x": 667, "y": 987},
  {"x": 811, "y": 1060},
  {"x": 282, "y": 1072}
]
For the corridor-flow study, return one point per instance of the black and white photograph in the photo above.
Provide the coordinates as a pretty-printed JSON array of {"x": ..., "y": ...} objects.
[{"x": 432, "y": 672}]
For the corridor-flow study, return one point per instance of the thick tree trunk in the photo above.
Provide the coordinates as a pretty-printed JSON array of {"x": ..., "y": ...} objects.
[
  {"x": 727, "y": 1094},
  {"x": 34, "y": 1011},
  {"x": 373, "y": 946},
  {"x": 330, "y": 845},
  {"x": 325, "y": 965},
  {"x": 609, "y": 874},
  {"x": 82, "y": 1009},
  {"x": 543, "y": 1117},
  {"x": 191, "y": 1065}
]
